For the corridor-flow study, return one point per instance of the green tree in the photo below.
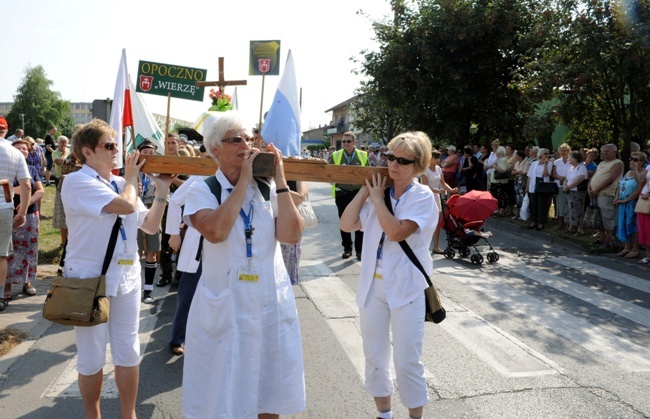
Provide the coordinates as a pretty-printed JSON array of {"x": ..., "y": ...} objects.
[
  {"x": 40, "y": 105},
  {"x": 594, "y": 58},
  {"x": 444, "y": 66}
]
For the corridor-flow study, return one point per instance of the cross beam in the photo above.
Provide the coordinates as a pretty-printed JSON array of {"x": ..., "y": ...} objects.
[
  {"x": 222, "y": 82},
  {"x": 294, "y": 169}
]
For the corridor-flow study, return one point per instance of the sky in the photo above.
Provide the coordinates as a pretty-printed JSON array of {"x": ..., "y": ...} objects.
[{"x": 79, "y": 44}]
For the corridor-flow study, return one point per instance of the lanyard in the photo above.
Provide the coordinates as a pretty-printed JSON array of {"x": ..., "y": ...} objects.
[
  {"x": 122, "y": 231},
  {"x": 383, "y": 235},
  {"x": 248, "y": 228},
  {"x": 145, "y": 184},
  {"x": 348, "y": 158}
]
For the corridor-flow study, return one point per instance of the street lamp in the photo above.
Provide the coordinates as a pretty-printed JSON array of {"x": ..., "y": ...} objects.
[{"x": 22, "y": 121}]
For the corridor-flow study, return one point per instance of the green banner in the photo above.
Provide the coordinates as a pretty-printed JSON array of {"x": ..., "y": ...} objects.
[
  {"x": 160, "y": 79},
  {"x": 264, "y": 58}
]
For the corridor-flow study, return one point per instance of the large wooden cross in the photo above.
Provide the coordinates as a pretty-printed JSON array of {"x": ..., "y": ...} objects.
[
  {"x": 222, "y": 82},
  {"x": 312, "y": 170}
]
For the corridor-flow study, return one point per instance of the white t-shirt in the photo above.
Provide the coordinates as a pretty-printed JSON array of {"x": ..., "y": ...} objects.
[
  {"x": 561, "y": 168},
  {"x": 12, "y": 166},
  {"x": 84, "y": 195},
  {"x": 573, "y": 173},
  {"x": 402, "y": 280}
]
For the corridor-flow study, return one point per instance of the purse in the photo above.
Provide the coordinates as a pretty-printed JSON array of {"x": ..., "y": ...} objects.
[
  {"x": 592, "y": 216},
  {"x": 546, "y": 188},
  {"x": 81, "y": 302},
  {"x": 642, "y": 206},
  {"x": 307, "y": 213},
  {"x": 433, "y": 309},
  {"x": 504, "y": 175}
]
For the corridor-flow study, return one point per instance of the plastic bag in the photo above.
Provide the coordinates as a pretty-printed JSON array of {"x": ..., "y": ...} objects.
[{"x": 524, "y": 211}]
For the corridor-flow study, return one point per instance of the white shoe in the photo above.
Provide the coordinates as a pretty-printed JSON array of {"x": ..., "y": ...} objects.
[{"x": 148, "y": 299}]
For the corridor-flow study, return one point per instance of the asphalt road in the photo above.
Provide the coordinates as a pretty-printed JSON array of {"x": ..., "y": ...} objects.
[{"x": 546, "y": 332}]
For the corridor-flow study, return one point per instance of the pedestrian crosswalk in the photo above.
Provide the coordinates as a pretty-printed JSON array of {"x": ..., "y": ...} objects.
[{"x": 583, "y": 305}]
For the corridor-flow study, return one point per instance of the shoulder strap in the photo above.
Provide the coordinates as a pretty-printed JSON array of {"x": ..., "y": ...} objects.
[
  {"x": 215, "y": 188},
  {"x": 111, "y": 245},
  {"x": 403, "y": 244}
]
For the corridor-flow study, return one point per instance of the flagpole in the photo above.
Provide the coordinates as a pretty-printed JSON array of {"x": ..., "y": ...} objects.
[
  {"x": 169, "y": 100},
  {"x": 259, "y": 123}
]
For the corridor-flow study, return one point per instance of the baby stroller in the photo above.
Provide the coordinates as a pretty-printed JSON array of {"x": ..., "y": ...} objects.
[{"x": 463, "y": 219}]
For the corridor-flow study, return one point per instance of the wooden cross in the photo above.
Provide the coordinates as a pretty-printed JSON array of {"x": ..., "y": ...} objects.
[
  {"x": 222, "y": 82},
  {"x": 294, "y": 169}
]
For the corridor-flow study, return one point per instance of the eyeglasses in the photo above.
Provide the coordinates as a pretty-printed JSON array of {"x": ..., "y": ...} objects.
[
  {"x": 108, "y": 146},
  {"x": 236, "y": 140},
  {"x": 347, "y": 141},
  {"x": 400, "y": 160},
  {"x": 633, "y": 159}
]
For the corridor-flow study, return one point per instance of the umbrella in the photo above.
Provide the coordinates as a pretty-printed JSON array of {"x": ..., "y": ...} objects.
[{"x": 475, "y": 205}]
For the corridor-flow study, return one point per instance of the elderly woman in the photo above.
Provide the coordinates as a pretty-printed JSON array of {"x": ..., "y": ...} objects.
[
  {"x": 499, "y": 181},
  {"x": 561, "y": 166},
  {"x": 390, "y": 294},
  {"x": 23, "y": 262},
  {"x": 629, "y": 189},
  {"x": 539, "y": 171},
  {"x": 96, "y": 203},
  {"x": 243, "y": 351},
  {"x": 575, "y": 193},
  {"x": 519, "y": 170}
]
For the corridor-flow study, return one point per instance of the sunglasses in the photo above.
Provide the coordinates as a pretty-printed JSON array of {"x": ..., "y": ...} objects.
[
  {"x": 400, "y": 160},
  {"x": 108, "y": 146},
  {"x": 235, "y": 140},
  {"x": 347, "y": 141},
  {"x": 633, "y": 159}
]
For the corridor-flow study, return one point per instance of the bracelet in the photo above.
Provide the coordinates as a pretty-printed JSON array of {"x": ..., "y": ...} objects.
[
  {"x": 279, "y": 191},
  {"x": 161, "y": 200}
]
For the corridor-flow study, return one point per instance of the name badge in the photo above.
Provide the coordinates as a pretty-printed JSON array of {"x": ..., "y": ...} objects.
[
  {"x": 125, "y": 259},
  {"x": 249, "y": 274},
  {"x": 379, "y": 274}
]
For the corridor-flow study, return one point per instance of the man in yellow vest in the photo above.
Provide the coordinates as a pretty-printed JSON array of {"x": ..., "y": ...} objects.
[{"x": 343, "y": 194}]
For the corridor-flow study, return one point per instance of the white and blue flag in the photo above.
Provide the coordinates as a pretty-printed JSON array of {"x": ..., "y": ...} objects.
[{"x": 282, "y": 124}]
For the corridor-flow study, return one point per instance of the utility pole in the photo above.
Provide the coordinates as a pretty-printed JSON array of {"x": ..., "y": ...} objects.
[{"x": 22, "y": 121}]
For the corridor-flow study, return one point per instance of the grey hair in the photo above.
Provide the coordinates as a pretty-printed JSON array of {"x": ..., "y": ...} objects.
[
  {"x": 228, "y": 122},
  {"x": 541, "y": 152},
  {"x": 501, "y": 151}
]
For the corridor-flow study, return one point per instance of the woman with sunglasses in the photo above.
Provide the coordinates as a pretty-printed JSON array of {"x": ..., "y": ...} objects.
[
  {"x": 243, "y": 350},
  {"x": 390, "y": 294},
  {"x": 433, "y": 177},
  {"x": 95, "y": 202}
]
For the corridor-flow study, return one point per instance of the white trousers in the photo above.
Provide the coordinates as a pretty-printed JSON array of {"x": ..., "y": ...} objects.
[
  {"x": 407, "y": 325},
  {"x": 121, "y": 331}
]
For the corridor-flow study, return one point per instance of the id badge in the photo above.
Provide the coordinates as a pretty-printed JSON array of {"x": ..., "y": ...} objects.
[
  {"x": 379, "y": 274},
  {"x": 249, "y": 274},
  {"x": 125, "y": 259}
]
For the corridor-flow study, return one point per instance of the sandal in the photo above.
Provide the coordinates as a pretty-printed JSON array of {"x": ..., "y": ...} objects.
[
  {"x": 623, "y": 253},
  {"x": 632, "y": 255},
  {"x": 29, "y": 290},
  {"x": 177, "y": 350}
]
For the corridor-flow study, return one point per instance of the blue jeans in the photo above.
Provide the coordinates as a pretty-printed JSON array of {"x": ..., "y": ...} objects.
[{"x": 186, "y": 288}]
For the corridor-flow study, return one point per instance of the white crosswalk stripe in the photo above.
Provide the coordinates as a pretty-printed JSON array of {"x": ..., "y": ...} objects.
[{"x": 502, "y": 351}]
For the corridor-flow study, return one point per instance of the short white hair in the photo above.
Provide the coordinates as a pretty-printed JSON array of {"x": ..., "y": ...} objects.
[{"x": 227, "y": 122}]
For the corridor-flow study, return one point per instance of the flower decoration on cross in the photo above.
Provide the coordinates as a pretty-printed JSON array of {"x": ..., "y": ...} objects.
[{"x": 221, "y": 102}]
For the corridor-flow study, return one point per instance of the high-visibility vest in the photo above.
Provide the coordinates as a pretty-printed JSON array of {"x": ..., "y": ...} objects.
[{"x": 337, "y": 156}]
